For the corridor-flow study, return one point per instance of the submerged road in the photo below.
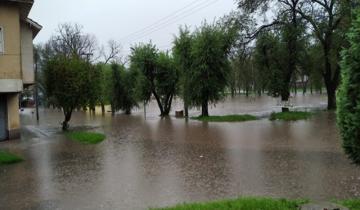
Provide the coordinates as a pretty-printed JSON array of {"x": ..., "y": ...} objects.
[{"x": 157, "y": 162}]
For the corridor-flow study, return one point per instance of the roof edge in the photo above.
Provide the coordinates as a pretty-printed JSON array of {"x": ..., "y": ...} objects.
[{"x": 35, "y": 27}]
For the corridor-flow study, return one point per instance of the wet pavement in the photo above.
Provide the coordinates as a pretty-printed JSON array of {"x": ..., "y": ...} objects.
[{"x": 157, "y": 162}]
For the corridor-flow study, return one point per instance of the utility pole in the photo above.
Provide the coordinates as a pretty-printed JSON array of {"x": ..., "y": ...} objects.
[{"x": 36, "y": 89}]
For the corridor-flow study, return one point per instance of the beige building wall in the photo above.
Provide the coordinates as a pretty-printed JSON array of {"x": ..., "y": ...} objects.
[
  {"x": 13, "y": 116},
  {"x": 10, "y": 60},
  {"x": 27, "y": 54}
]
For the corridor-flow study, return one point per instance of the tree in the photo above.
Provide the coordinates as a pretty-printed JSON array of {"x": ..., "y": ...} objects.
[
  {"x": 70, "y": 41},
  {"x": 94, "y": 87},
  {"x": 123, "y": 89},
  {"x": 66, "y": 81},
  {"x": 71, "y": 81},
  {"x": 157, "y": 75},
  {"x": 116, "y": 88},
  {"x": 182, "y": 54},
  {"x": 210, "y": 65},
  {"x": 243, "y": 70},
  {"x": 329, "y": 20},
  {"x": 113, "y": 53},
  {"x": 290, "y": 22},
  {"x": 270, "y": 60},
  {"x": 348, "y": 113}
]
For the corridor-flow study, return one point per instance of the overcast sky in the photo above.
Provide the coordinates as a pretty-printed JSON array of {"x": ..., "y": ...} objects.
[{"x": 121, "y": 19}]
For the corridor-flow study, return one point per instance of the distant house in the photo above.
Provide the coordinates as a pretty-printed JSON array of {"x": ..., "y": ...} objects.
[{"x": 17, "y": 32}]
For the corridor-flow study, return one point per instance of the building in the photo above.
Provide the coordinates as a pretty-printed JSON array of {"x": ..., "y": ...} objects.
[{"x": 17, "y": 32}]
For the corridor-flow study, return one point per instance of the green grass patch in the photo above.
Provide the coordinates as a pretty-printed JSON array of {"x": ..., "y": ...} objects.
[
  {"x": 226, "y": 118},
  {"x": 352, "y": 204},
  {"x": 9, "y": 158},
  {"x": 290, "y": 116},
  {"x": 86, "y": 137},
  {"x": 242, "y": 204}
]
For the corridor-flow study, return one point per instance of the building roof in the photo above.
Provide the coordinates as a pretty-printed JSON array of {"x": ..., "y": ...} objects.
[
  {"x": 25, "y": 6},
  {"x": 21, "y": 1},
  {"x": 35, "y": 27}
]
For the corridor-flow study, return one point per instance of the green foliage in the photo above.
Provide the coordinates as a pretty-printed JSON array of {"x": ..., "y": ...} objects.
[
  {"x": 94, "y": 86},
  {"x": 270, "y": 62},
  {"x": 156, "y": 75},
  {"x": 123, "y": 89},
  {"x": 352, "y": 204},
  {"x": 182, "y": 56},
  {"x": 210, "y": 65},
  {"x": 348, "y": 113},
  {"x": 86, "y": 137},
  {"x": 227, "y": 118},
  {"x": 8, "y": 158},
  {"x": 105, "y": 84},
  {"x": 66, "y": 80},
  {"x": 242, "y": 204},
  {"x": 290, "y": 116}
]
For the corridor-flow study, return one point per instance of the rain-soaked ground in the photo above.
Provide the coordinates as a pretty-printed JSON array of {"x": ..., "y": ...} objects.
[{"x": 157, "y": 162}]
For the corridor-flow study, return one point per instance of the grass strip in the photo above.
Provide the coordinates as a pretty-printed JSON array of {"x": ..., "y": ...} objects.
[
  {"x": 242, "y": 204},
  {"x": 7, "y": 158},
  {"x": 86, "y": 137},
  {"x": 226, "y": 118}
]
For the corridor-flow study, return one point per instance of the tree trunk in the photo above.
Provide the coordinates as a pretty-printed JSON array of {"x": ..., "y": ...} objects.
[
  {"x": 186, "y": 109},
  {"x": 292, "y": 51},
  {"x": 204, "y": 109},
  {"x": 103, "y": 108},
  {"x": 159, "y": 103},
  {"x": 285, "y": 94},
  {"x": 331, "y": 80},
  {"x": 65, "y": 124},
  {"x": 167, "y": 106},
  {"x": 112, "y": 109},
  {"x": 331, "y": 92}
]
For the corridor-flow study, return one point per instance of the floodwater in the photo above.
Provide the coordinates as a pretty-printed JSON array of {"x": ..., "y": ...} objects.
[{"x": 157, "y": 162}]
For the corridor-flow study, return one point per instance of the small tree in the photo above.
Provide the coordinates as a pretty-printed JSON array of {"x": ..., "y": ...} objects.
[
  {"x": 123, "y": 89},
  {"x": 182, "y": 54},
  {"x": 66, "y": 83},
  {"x": 348, "y": 113},
  {"x": 210, "y": 66},
  {"x": 157, "y": 76}
]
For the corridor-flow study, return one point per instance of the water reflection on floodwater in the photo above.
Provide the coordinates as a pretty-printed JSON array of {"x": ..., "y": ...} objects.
[{"x": 158, "y": 162}]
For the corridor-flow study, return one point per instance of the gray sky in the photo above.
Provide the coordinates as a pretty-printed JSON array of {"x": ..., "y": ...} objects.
[{"x": 117, "y": 19}]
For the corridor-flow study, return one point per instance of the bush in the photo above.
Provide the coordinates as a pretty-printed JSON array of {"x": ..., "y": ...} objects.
[{"x": 348, "y": 113}]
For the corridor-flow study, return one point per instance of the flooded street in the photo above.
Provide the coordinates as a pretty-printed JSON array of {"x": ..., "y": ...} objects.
[{"x": 156, "y": 162}]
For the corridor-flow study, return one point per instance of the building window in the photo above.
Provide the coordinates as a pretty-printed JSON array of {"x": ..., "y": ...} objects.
[{"x": 1, "y": 40}]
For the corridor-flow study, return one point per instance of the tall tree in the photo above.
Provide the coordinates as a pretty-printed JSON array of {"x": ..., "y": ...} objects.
[
  {"x": 329, "y": 20},
  {"x": 122, "y": 92},
  {"x": 66, "y": 81},
  {"x": 210, "y": 65},
  {"x": 70, "y": 41},
  {"x": 287, "y": 17},
  {"x": 157, "y": 75},
  {"x": 182, "y": 54}
]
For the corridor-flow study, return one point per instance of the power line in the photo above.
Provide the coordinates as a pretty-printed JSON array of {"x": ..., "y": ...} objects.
[
  {"x": 171, "y": 21},
  {"x": 162, "y": 19}
]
